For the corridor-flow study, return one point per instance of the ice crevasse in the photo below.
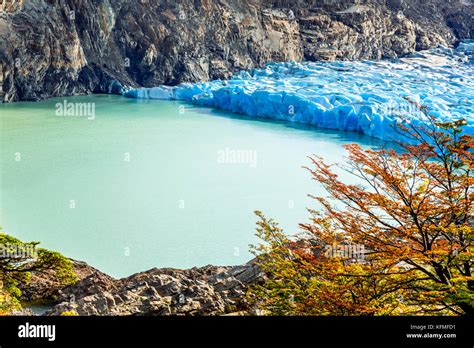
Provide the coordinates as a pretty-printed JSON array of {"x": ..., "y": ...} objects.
[{"x": 366, "y": 96}]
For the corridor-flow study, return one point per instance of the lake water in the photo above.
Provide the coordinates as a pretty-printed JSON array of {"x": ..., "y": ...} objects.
[{"x": 153, "y": 183}]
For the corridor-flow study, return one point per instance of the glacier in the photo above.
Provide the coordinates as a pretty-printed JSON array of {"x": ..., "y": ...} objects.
[{"x": 365, "y": 96}]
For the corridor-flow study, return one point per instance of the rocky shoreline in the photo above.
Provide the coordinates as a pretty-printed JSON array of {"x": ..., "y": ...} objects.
[
  {"x": 208, "y": 290},
  {"x": 50, "y": 49}
]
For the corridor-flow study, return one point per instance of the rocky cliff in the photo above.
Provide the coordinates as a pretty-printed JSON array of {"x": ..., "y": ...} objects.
[
  {"x": 208, "y": 290},
  {"x": 53, "y": 48}
]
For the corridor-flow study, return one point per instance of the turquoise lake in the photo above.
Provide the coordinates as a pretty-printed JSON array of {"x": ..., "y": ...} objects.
[{"x": 150, "y": 183}]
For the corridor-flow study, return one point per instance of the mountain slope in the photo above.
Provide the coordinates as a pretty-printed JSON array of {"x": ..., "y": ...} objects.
[{"x": 53, "y": 48}]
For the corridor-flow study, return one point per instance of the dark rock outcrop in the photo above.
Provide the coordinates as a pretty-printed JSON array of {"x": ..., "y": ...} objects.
[
  {"x": 44, "y": 287},
  {"x": 53, "y": 48},
  {"x": 208, "y": 290}
]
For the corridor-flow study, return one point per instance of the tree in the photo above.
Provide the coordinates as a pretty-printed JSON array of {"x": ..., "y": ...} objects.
[
  {"x": 412, "y": 218},
  {"x": 18, "y": 259}
]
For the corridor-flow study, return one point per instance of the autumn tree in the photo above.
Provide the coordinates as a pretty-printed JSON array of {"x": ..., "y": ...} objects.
[
  {"x": 411, "y": 216},
  {"x": 18, "y": 259}
]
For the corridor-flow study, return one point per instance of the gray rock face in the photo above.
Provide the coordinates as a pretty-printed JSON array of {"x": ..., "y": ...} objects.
[
  {"x": 208, "y": 290},
  {"x": 53, "y": 48},
  {"x": 43, "y": 286}
]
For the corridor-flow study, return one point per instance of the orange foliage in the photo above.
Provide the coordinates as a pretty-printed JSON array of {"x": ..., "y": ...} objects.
[
  {"x": 410, "y": 223},
  {"x": 413, "y": 215}
]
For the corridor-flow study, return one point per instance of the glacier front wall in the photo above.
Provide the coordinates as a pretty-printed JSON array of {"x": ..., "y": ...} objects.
[{"x": 368, "y": 97}]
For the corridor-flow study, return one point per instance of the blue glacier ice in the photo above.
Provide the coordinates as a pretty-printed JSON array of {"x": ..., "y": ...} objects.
[{"x": 365, "y": 96}]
